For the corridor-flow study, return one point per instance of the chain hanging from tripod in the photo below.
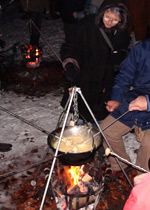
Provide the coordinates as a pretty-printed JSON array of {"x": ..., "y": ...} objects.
[{"x": 75, "y": 107}]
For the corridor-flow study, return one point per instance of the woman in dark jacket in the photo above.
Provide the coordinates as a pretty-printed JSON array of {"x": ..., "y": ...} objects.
[{"x": 88, "y": 60}]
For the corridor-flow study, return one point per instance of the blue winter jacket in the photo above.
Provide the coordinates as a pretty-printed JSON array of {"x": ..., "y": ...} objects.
[{"x": 132, "y": 81}]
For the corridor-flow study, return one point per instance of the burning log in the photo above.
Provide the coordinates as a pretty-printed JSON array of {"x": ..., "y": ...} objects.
[
  {"x": 77, "y": 187},
  {"x": 86, "y": 178},
  {"x": 80, "y": 191},
  {"x": 75, "y": 200}
]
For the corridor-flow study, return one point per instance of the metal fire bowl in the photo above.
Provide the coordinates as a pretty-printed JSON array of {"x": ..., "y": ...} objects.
[{"x": 71, "y": 158}]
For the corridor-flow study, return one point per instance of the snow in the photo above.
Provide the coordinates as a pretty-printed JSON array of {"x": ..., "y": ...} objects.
[
  {"x": 29, "y": 143},
  {"x": 43, "y": 112}
]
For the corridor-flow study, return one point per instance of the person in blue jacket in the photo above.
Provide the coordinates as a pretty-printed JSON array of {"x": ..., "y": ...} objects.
[{"x": 132, "y": 81}]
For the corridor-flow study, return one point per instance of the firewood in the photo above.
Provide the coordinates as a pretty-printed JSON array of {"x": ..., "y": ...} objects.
[
  {"x": 72, "y": 123},
  {"x": 86, "y": 178}
]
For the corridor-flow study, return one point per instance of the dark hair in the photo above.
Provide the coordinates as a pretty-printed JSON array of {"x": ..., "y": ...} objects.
[{"x": 122, "y": 12}]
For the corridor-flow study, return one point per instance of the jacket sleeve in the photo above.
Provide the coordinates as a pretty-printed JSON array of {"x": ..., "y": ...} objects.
[
  {"x": 148, "y": 102},
  {"x": 139, "y": 197},
  {"x": 73, "y": 46},
  {"x": 125, "y": 78}
]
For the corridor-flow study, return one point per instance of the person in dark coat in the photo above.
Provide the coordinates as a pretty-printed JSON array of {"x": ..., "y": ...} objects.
[
  {"x": 88, "y": 60},
  {"x": 35, "y": 9},
  {"x": 91, "y": 7},
  {"x": 66, "y": 9},
  {"x": 132, "y": 81}
]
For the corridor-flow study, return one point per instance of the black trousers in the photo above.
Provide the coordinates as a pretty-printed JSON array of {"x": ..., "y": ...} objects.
[{"x": 35, "y": 27}]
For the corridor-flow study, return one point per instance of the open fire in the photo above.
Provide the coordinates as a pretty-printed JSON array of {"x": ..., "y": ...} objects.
[
  {"x": 77, "y": 187},
  {"x": 75, "y": 174},
  {"x": 32, "y": 56}
]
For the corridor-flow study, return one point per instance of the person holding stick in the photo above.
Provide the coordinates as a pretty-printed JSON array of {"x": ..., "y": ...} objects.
[
  {"x": 138, "y": 198},
  {"x": 130, "y": 91}
]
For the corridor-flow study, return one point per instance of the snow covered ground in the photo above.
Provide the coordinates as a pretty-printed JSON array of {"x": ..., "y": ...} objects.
[{"x": 28, "y": 142}]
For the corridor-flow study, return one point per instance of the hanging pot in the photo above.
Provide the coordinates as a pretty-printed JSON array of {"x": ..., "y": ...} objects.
[{"x": 78, "y": 144}]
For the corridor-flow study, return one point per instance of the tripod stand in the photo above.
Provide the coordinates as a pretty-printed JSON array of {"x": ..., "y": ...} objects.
[{"x": 73, "y": 95}]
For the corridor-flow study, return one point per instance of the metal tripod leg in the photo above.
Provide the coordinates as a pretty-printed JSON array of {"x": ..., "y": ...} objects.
[
  {"x": 33, "y": 182},
  {"x": 79, "y": 91},
  {"x": 56, "y": 152},
  {"x": 61, "y": 117}
]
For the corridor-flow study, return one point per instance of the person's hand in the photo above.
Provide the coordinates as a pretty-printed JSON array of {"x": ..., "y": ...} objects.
[
  {"x": 140, "y": 104},
  {"x": 112, "y": 105},
  {"x": 71, "y": 72}
]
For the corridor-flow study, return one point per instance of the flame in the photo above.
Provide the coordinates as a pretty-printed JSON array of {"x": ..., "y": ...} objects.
[
  {"x": 28, "y": 55},
  {"x": 29, "y": 48},
  {"x": 74, "y": 174},
  {"x": 37, "y": 52}
]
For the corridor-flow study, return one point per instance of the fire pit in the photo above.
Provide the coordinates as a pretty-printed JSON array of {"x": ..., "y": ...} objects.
[
  {"x": 77, "y": 182},
  {"x": 32, "y": 56},
  {"x": 77, "y": 187},
  {"x": 76, "y": 142}
]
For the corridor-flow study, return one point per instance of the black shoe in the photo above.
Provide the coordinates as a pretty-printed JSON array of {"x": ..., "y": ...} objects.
[{"x": 5, "y": 147}]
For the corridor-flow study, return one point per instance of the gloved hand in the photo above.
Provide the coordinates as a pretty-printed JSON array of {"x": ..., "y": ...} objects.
[{"x": 71, "y": 72}]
